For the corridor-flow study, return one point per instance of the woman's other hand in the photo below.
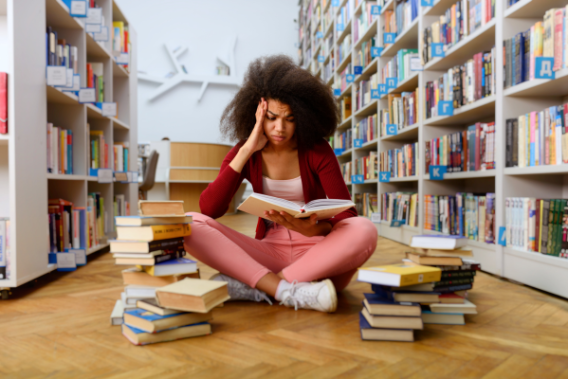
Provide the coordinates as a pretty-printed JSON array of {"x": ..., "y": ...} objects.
[{"x": 257, "y": 139}]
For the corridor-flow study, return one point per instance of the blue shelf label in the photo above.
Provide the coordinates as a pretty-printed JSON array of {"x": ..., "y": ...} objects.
[
  {"x": 502, "y": 236},
  {"x": 392, "y": 130},
  {"x": 375, "y": 94},
  {"x": 334, "y": 3},
  {"x": 375, "y": 10},
  {"x": 397, "y": 223},
  {"x": 438, "y": 50},
  {"x": 543, "y": 68},
  {"x": 350, "y": 78},
  {"x": 392, "y": 83},
  {"x": 384, "y": 176},
  {"x": 445, "y": 108},
  {"x": 319, "y": 35},
  {"x": 338, "y": 151},
  {"x": 321, "y": 58},
  {"x": 78, "y": 8},
  {"x": 389, "y": 38},
  {"x": 437, "y": 172},
  {"x": 357, "y": 179},
  {"x": 337, "y": 91},
  {"x": 376, "y": 51},
  {"x": 357, "y": 70},
  {"x": 340, "y": 27},
  {"x": 357, "y": 142},
  {"x": 427, "y": 3},
  {"x": 382, "y": 89}
]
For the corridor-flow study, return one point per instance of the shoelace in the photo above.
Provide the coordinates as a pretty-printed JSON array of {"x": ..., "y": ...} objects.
[{"x": 291, "y": 299}]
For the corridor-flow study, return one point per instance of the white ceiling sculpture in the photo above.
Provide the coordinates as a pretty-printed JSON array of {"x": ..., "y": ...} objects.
[{"x": 227, "y": 57}]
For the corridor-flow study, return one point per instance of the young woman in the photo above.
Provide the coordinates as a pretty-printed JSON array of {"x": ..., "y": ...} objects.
[{"x": 280, "y": 116}]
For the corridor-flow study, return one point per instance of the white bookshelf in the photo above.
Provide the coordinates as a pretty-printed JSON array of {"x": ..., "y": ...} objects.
[
  {"x": 540, "y": 271},
  {"x": 25, "y": 185}
]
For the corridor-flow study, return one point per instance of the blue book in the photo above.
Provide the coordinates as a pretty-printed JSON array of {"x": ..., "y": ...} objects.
[
  {"x": 378, "y": 334},
  {"x": 172, "y": 267},
  {"x": 70, "y": 152},
  {"x": 149, "y": 322},
  {"x": 140, "y": 337}
]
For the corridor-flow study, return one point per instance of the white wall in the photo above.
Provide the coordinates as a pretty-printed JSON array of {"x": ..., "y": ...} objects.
[{"x": 262, "y": 27}]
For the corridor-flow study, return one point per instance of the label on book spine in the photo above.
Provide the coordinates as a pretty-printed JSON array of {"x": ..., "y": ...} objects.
[
  {"x": 349, "y": 78},
  {"x": 358, "y": 142},
  {"x": 105, "y": 175},
  {"x": 383, "y": 90},
  {"x": 375, "y": 10},
  {"x": 375, "y": 94},
  {"x": 392, "y": 130},
  {"x": 398, "y": 224},
  {"x": 437, "y": 172},
  {"x": 384, "y": 176},
  {"x": 376, "y": 51},
  {"x": 357, "y": 179},
  {"x": 389, "y": 38},
  {"x": 338, "y": 151},
  {"x": 357, "y": 70},
  {"x": 66, "y": 262},
  {"x": 445, "y": 108},
  {"x": 108, "y": 109},
  {"x": 56, "y": 75},
  {"x": 336, "y": 92},
  {"x": 543, "y": 68},
  {"x": 502, "y": 236},
  {"x": 438, "y": 50},
  {"x": 426, "y": 3},
  {"x": 87, "y": 95},
  {"x": 392, "y": 83},
  {"x": 94, "y": 16}
]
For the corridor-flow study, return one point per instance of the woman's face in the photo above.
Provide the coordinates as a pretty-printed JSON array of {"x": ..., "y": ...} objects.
[{"x": 279, "y": 124}]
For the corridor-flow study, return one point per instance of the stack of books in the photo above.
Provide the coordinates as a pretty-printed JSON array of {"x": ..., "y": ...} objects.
[
  {"x": 429, "y": 287},
  {"x": 153, "y": 244}
]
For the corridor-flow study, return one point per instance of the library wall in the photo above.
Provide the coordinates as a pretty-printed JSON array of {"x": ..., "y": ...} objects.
[{"x": 204, "y": 27}]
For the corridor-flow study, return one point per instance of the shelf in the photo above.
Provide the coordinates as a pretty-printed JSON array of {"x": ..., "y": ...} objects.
[
  {"x": 408, "y": 39},
  {"x": 119, "y": 124},
  {"x": 388, "y": 5},
  {"x": 329, "y": 29},
  {"x": 328, "y": 57},
  {"x": 118, "y": 70},
  {"x": 367, "y": 110},
  {"x": 344, "y": 63},
  {"x": 532, "y": 9},
  {"x": 466, "y": 175},
  {"x": 57, "y": 16},
  {"x": 545, "y": 272},
  {"x": 468, "y": 113},
  {"x": 407, "y": 85},
  {"x": 404, "y": 179},
  {"x": 541, "y": 87},
  {"x": 341, "y": 5},
  {"x": 367, "y": 71},
  {"x": 537, "y": 170},
  {"x": 97, "y": 248},
  {"x": 481, "y": 40},
  {"x": 345, "y": 123},
  {"x": 4, "y": 139},
  {"x": 117, "y": 14},
  {"x": 370, "y": 181},
  {"x": 96, "y": 50},
  {"x": 66, "y": 177},
  {"x": 410, "y": 132},
  {"x": 367, "y": 145},
  {"x": 346, "y": 32},
  {"x": 402, "y": 234},
  {"x": 346, "y": 153},
  {"x": 347, "y": 90},
  {"x": 94, "y": 112},
  {"x": 367, "y": 35},
  {"x": 57, "y": 96}
]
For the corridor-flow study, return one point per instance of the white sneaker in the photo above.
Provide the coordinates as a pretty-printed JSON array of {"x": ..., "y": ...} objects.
[
  {"x": 241, "y": 291},
  {"x": 319, "y": 296}
]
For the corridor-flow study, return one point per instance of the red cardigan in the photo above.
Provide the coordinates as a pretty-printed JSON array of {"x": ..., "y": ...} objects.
[{"x": 319, "y": 169}]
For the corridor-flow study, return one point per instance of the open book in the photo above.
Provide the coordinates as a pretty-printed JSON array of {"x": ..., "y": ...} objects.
[{"x": 257, "y": 203}]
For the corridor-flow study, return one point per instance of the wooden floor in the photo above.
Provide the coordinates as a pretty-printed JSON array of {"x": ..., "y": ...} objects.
[{"x": 60, "y": 329}]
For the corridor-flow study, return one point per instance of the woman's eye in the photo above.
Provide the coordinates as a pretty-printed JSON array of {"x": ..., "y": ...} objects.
[
  {"x": 290, "y": 120},
  {"x": 271, "y": 118}
]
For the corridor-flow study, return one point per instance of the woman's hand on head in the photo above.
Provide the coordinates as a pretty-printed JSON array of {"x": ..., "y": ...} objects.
[
  {"x": 308, "y": 227},
  {"x": 257, "y": 139}
]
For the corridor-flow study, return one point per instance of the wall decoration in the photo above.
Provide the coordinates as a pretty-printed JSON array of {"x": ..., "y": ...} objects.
[{"x": 227, "y": 74}]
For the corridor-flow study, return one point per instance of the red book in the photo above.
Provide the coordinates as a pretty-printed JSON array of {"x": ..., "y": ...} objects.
[
  {"x": 536, "y": 246},
  {"x": 558, "y": 40},
  {"x": 3, "y": 103},
  {"x": 89, "y": 76},
  {"x": 477, "y": 146},
  {"x": 126, "y": 41}
]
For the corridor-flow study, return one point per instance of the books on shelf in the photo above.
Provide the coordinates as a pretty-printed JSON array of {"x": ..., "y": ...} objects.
[
  {"x": 470, "y": 150},
  {"x": 545, "y": 38},
  {"x": 363, "y": 21},
  {"x": 343, "y": 49},
  {"x": 366, "y": 129},
  {"x": 400, "y": 206},
  {"x": 400, "y": 162},
  {"x": 397, "y": 21},
  {"x": 537, "y": 138},
  {"x": 363, "y": 93},
  {"x": 462, "y": 84},
  {"x": 3, "y": 103},
  {"x": 59, "y": 52},
  {"x": 121, "y": 43},
  {"x": 343, "y": 78},
  {"x": 5, "y": 259},
  {"x": 458, "y": 22},
  {"x": 346, "y": 171},
  {"x": 95, "y": 79},
  {"x": 98, "y": 153},
  {"x": 65, "y": 226},
  {"x": 345, "y": 107},
  {"x": 59, "y": 150},
  {"x": 465, "y": 214},
  {"x": 121, "y": 150},
  {"x": 399, "y": 66},
  {"x": 366, "y": 203},
  {"x": 344, "y": 14},
  {"x": 537, "y": 225},
  {"x": 96, "y": 219},
  {"x": 362, "y": 56},
  {"x": 401, "y": 110},
  {"x": 367, "y": 166}
]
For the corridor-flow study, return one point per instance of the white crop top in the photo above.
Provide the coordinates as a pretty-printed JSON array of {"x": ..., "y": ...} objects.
[{"x": 290, "y": 189}]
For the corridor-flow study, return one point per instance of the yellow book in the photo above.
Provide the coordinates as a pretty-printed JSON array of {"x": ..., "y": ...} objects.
[
  {"x": 120, "y": 26},
  {"x": 399, "y": 275},
  {"x": 152, "y": 232}
]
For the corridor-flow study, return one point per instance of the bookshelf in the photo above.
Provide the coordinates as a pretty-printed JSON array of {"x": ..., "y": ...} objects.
[
  {"x": 25, "y": 185},
  {"x": 541, "y": 271}
]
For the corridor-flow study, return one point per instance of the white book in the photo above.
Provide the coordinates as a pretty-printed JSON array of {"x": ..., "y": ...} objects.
[
  {"x": 256, "y": 204},
  {"x": 117, "y": 313},
  {"x": 76, "y": 238},
  {"x": 125, "y": 302},
  {"x": 467, "y": 308},
  {"x": 139, "y": 292}
]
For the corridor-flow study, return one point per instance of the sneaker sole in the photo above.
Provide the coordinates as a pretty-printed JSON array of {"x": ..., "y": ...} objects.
[{"x": 332, "y": 291}]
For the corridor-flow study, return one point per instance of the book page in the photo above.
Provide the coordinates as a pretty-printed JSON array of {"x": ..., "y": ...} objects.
[{"x": 256, "y": 204}]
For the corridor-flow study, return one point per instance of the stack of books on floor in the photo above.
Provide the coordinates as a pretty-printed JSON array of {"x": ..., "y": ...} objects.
[
  {"x": 163, "y": 299},
  {"x": 429, "y": 287}
]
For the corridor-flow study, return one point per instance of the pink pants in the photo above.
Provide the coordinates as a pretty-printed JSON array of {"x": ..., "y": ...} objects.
[{"x": 336, "y": 256}]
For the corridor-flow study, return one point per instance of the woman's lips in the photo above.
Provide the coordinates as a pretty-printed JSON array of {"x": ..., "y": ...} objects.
[{"x": 278, "y": 138}]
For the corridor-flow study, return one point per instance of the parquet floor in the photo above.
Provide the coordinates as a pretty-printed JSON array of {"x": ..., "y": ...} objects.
[{"x": 60, "y": 329}]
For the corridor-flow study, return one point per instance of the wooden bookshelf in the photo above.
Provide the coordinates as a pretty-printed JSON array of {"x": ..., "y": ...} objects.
[
  {"x": 25, "y": 185},
  {"x": 541, "y": 271}
]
